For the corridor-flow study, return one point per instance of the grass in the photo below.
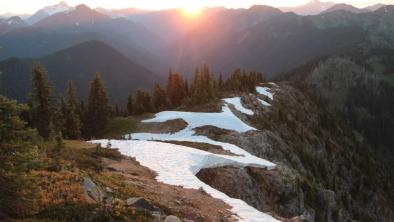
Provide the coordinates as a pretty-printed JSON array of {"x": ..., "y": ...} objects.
[
  {"x": 120, "y": 126},
  {"x": 85, "y": 155}
]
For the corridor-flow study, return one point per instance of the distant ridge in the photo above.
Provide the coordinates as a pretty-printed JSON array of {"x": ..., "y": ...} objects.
[
  {"x": 345, "y": 7},
  {"x": 78, "y": 63},
  {"x": 313, "y": 7}
]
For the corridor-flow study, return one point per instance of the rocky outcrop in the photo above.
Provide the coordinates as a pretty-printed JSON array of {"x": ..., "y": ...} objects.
[
  {"x": 93, "y": 191},
  {"x": 325, "y": 172},
  {"x": 172, "y": 218}
]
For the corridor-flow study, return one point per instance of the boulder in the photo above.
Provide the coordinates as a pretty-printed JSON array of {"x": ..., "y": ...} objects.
[
  {"x": 157, "y": 216},
  {"x": 94, "y": 191},
  {"x": 140, "y": 203},
  {"x": 172, "y": 218}
]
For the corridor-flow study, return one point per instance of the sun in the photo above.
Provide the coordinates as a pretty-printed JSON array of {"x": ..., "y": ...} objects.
[{"x": 192, "y": 10}]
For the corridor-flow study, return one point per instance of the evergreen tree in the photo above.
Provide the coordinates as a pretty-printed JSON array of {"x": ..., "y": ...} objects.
[
  {"x": 202, "y": 87},
  {"x": 207, "y": 88},
  {"x": 98, "y": 109},
  {"x": 159, "y": 98},
  {"x": 17, "y": 155},
  {"x": 41, "y": 102},
  {"x": 59, "y": 117},
  {"x": 220, "y": 82},
  {"x": 72, "y": 123},
  {"x": 130, "y": 105},
  {"x": 117, "y": 110},
  {"x": 187, "y": 90},
  {"x": 175, "y": 89},
  {"x": 196, "y": 87},
  {"x": 143, "y": 102}
]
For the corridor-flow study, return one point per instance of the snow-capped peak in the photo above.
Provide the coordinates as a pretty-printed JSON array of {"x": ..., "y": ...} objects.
[{"x": 60, "y": 7}]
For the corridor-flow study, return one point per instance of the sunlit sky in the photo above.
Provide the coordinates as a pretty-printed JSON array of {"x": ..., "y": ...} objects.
[{"x": 30, "y": 6}]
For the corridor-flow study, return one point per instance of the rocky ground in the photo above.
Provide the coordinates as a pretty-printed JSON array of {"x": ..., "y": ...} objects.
[{"x": 325, "y": 173}]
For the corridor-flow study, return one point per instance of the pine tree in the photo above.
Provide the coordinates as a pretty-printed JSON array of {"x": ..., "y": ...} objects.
[
  {"x": 220, "y": 82},
  {"x": 175, "y": 89},
  {"x": 196, "y": 87},
  {"x": 202, "y": 87},
  {"x": 159, "y": 98},
  {"x": 41, "y": 102},
  {"x": 143, "y": 102},
  {"x": 72, "y": 123},
  {"x": 207, "y": 88},
  {"x": 17, "y": 155},
  {"x": 130, "y": 105},
  {"x": 187, "y": 90},
  {"x": 117, "y": 110},
  {"x": 98, "y": 109}
]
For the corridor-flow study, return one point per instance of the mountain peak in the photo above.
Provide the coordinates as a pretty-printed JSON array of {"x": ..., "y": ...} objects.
[
  {"x": 262, "y": 8},
  {"x": 313, "y": 7},
  {"x": 344, "y": 7},
  {"x": 82, "y": 7},
  {"x": 48, "y": 11},
  {"x": 81, "y": 15}
]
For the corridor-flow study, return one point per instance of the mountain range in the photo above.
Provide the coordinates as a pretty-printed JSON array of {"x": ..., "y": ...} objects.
[{"x": 259, "y": 38}]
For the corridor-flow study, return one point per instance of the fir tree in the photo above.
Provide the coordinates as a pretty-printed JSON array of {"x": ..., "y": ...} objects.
[
  {"x": 72, "y": 123},
  {"x": 130, "y": 105},
  {"x": 98, "y": 109},
  {"x": 17, "y": 155},
  {"x": 175, "y": 89},
  {"x": 41, "y": 102},
  {"x": 159, "y": 98}
]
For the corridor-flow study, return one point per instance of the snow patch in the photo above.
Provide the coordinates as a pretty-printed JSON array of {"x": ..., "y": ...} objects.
[
  {"x": 265, "y": 91},
  {"x": 264, "y": 102},
  {"x": 225, "y": 119},
  {"x": 236, "y": 102},
  {"x": 177, "y": 165}
]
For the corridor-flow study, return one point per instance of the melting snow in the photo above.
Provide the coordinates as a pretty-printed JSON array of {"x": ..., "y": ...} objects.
[
  {"x": 264, "y": 91},
  {"x": 236, "y": 102},
  {"x": 177, "y": 165},
  {"x": 225, "y": 119},
  {"x": 264, "y": 102}
]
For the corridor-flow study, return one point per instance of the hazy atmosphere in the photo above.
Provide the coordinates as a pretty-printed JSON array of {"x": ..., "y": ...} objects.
[
  {"x": 22, "y": 6},
  {"x": 196, "y": 111}
]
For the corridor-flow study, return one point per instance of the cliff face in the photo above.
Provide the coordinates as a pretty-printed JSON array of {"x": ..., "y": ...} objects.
[{"x": 325, "y": 173}]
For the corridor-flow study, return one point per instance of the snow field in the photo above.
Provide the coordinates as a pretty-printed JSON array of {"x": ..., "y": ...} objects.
[{"x": 178, "y": 165}]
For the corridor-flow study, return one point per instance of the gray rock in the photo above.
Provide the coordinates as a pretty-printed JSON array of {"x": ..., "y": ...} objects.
[
  {"x": 157, "y": 216},
  {"x": 109, "y": 190},
  {"x": 94, "y": 191},
  {"x": 172, "y": 218},
  {"x": 308, "y": 216},
  {"x": 201, "y": 189},
  {"x": 142, "y": 204}
]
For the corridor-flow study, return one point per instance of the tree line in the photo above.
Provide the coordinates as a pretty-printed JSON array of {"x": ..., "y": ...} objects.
[
  {"x": 204, "y": 88},
  {"x": 72, "y": 118}
]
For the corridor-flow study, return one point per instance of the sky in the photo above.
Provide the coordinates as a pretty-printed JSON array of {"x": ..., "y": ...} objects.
[{"x": 31, "y": 6}]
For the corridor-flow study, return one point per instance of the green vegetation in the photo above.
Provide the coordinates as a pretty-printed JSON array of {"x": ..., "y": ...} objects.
[
  {"x": 41, "y": 103},
  {"x": 98, "y": 109},
  {"x": 204, "y": 89},
  {"x": 119, "y": 126}
]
